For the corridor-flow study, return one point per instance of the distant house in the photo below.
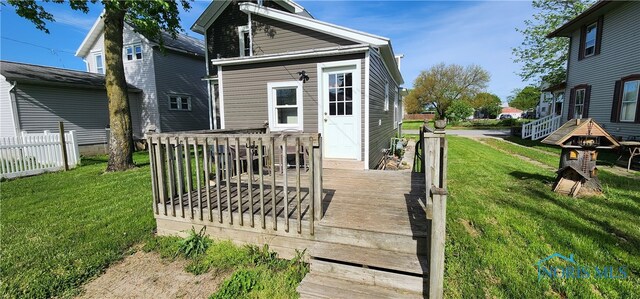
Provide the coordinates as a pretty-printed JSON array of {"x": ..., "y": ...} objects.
[
  {"x": 174, "y": 96},
  {"x": 514, "y": 112},
  {"x": 274, "y": 63},
  {"x": 603, "y": 79},
  {"x": 551, "y": 100},
  {"x": 35, "y": 98}
]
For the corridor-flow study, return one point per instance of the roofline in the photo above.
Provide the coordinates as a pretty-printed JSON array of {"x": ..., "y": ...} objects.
[
  {"x": 89, "y": 39},
  {"x": 386, "y": 50},
  {"x": 213, "y": 11},
  {"x": 341, "y": 50},
  {"x": 579, "y": 18}
]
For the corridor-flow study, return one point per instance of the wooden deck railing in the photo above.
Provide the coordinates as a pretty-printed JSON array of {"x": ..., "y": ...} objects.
[
  {"x": 434, "y": 164},
  {"x": 235, "y": 177}
]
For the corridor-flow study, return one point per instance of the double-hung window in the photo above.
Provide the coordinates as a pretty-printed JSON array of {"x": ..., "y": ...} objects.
[
  {"x": 133, "y": 52},
  {"x": 590, "y": 39},
  {"x": 386, "y": 96},
  {"x": 99, "y": 63},
  {"x": 285, "y": 106},
  {"x": 629, "y": 100},
  {"x": 579, "y": 103},
  {"x": 244, "y": 41},
  {"x": 179, "y": 102}
]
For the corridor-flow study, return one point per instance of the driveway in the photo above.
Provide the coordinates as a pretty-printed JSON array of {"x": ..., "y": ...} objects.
[{"x": 470, "y": 133}]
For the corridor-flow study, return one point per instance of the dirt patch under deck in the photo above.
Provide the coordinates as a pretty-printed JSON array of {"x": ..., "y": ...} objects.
[{"x": 147, "y": 275}]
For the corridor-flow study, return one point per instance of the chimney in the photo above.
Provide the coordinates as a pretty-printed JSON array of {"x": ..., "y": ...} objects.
[{"x": 398, "y": 60}]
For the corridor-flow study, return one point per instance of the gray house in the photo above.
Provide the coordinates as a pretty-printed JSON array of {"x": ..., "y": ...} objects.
[
  {"x": 35, "y": 98},
  {"x": 174, "y": 96},
  {"x": 603, "y": 79},
  {"x": 273, "y": 63}
]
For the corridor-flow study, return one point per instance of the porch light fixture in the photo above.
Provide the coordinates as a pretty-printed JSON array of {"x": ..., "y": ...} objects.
[{"x": 303, "y": 76}]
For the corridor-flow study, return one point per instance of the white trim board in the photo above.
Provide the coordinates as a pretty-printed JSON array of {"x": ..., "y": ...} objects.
[
  {"x": 291, "y": 55},
  {"x": 357, "y": 76},
  {"x": 273, "y": 124},
  {"x": 367, "y": 69},
  {"x": 221, "y": 97}
]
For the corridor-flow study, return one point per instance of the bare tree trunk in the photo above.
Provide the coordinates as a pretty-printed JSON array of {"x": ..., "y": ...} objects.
[{"x": 121, "y": 141}]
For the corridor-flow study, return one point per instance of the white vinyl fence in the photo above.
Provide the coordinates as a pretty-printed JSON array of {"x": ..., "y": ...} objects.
[{"x": 35, "y": 153}]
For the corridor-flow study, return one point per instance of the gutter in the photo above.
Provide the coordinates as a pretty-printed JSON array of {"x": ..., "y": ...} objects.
[{"x": 14, "y": 108}]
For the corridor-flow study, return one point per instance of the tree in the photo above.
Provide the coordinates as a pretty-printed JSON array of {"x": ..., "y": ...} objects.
[
  {"x": 526, "y": 98},
  {"x": 412, "y": 104},
  {"x": 488, "y": 104},
  {"x": 149, "y": 18},
  {"x": 459, "y": 110},
  {"x": 545, "y": 59},
  {"x": 442, "y": 85}
]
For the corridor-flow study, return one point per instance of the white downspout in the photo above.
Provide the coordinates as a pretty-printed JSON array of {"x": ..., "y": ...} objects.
[{"x": 14, "y": 109}]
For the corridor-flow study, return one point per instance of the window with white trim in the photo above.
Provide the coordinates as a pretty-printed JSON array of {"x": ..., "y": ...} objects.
[
  {"x": 285, "y": 105},
  {"x": 395, "y": 111},
  {"x": 590, "y": 39},
  {"x": 386, "y": 96},
  {"x": 133, "y": 52},
  {"x": 579, "y": 104},
  {"x": 244, "y": 41},
  {"x": 629, "y": 102},
  {"x": 99, "y": 63},
  {"x": 179, "y": 102}
]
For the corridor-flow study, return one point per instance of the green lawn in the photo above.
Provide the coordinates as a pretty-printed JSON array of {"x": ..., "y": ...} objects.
[
  {"x": 60, "y": 229},
  {"x": 502, "y": 218}
]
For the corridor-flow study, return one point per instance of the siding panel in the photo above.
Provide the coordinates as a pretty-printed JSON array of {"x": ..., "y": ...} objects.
[
  {"x": 7, "y": 129},
  {"x": 618, "y": 58},
  {"x": 380, "y": 122},
  {"x": 181, "y": 74},
  {"x": 273, "y": 37},
  {"x": 84, "y": 110}
]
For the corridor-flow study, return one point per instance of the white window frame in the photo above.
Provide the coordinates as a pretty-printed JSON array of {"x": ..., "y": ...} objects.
[
  {"x": 179, "y": 101},
  {"x": 386, "y": 96},
  {"x": 100, "y": 70},
  {"x": 132, "y": 48},
  {"x": 595, "y": 39},
  {"x": 241, "y": 45},
  {"x": 395, "y": 111},
  {"x": 581, "y": 105},
  {"x": 273, "y": 116},
  {"x": 635, "y": 100}
]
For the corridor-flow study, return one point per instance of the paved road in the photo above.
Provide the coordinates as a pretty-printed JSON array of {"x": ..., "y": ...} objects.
[{"x": 470, "y": 133}]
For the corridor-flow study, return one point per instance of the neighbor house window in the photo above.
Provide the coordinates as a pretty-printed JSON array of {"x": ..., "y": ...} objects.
[
  {"x": 133, "y": 52},
  {"x": 285, "y": 105},
  {"x": 180, "y": 102},
  {"x": 629, "y": 103},
  {"x": 386, "y": 96},
  {"x": 99, "y": 63},
  {"x": 244, "y": 39},
  {"x": 590, "y": 39},
  {"x": 578, "y": 109}
]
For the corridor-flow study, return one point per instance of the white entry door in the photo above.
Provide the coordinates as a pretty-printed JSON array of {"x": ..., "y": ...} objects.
[{"x": 341, "y": 112}]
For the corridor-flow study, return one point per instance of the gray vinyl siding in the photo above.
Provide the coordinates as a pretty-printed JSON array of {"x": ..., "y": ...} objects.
[
  {"x": 83, "y": 110},
  {"x": 181, "y": 74},
  {"x": 618, "y": 58},
  {"x": 273, "y": 37},
  {"x": 7, "y": 129},
  {"x": 380, "y": 122},
  {"x": 245, "y": 90}
]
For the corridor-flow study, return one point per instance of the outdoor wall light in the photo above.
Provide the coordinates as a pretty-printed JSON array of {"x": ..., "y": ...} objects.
[{"x": 303, "y": 76}]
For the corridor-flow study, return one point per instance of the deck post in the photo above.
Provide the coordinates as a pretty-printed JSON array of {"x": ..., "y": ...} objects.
[
  {"x": 438, "y": 234},
  {"x": 317, "y": 179}
]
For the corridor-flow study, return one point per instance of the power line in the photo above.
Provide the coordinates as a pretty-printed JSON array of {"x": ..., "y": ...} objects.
[{"x": 52, "y": 50}]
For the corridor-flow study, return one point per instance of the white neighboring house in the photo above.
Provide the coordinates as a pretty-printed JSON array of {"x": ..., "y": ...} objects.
[
  {"x": 174, "y": 97},
  {"x": 514, "y": 112},
  {"x": 551, "y": 99}
]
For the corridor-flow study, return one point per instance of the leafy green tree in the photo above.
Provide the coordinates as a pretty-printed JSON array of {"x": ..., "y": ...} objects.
[
  {"x": 412, "y": 104},
  {"x": 442, "y": 85},
  {"x": 458, "y": 111},
  {"x": 487, "y": 103},
  {"x": 526, "y": 98},
  {"x": 543, "y": 58},
  {"x": 149, "y": 18}
]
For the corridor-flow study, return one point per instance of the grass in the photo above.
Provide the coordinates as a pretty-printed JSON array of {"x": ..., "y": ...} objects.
[
  {"x": 605, "y": 157},
  {"x": 61, "y": 229},
  {"x": 502, "y": 218},
  {"x": 475, "y": 124},
  {"x": 257, "y": 272}
]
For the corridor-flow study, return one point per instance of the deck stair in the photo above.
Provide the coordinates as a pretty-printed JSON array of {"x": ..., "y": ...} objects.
[{"x": 360, "y": 256}]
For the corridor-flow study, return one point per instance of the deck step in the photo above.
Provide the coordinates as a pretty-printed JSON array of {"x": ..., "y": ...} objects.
[
  {"x": 368, "y": 276},
  {"x": 372, "y": 258},
  {"x": 372, "y": 239},
  {"x": 318, "y": 286}
]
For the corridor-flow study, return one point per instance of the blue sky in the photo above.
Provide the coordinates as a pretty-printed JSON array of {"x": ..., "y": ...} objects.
[{"x": 426, "y": 32}]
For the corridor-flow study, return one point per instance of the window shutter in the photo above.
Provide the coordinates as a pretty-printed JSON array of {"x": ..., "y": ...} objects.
[
  {"x": 615, "y": 106},
  {"x": 583, "y": 37},
  {"x": 638, "y": 110},
  {"x": 599, "y": 35},
  {"x": 572, "y": 104},
  {"x": 587, "y": 100}
]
